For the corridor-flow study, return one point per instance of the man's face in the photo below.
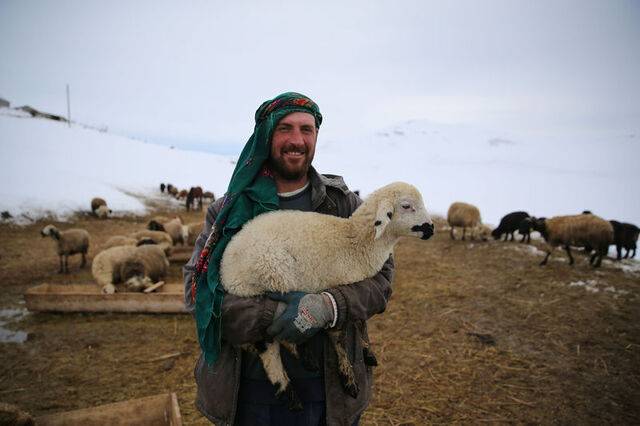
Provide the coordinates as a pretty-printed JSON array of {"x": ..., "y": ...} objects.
[{"x": 293, "y": 145}]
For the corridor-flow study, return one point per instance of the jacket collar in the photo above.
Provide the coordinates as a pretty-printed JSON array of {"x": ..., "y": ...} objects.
[{"x": 319, "y": 184}]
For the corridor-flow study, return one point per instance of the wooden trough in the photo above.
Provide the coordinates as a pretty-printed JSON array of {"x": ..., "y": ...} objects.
[
  {"x": 154, "y": 410},
  {"x": 181, "y": 254},
  {"x": 88, "y": 298}
]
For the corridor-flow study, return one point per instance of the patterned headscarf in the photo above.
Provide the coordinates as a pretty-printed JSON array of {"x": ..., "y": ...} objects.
[{"x": 251, "y": 191}]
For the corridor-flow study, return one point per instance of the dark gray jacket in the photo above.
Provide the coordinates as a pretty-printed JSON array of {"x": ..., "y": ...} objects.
[{"x": 245, "y": 319}]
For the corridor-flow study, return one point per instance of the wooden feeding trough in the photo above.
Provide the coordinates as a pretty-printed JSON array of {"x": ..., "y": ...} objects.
[
  {"x": 88, "y": 298},
  {"x": 157, "y": 410}
]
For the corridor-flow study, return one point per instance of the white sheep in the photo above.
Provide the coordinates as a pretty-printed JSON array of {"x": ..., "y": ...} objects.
[
  {"x": 161, "y": 238},
  {"x": 69, "y": 242},
  {"x": 136, "y": 267},
  {"x": 119, "y": 240},
  {"x": 465, "y": 216},
  {"x": 287, "y": 251},
  {"x": 177, "y": 230}
]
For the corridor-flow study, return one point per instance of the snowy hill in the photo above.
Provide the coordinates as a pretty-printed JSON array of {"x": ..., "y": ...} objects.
[
  {"x": 497, "y": 173},
  {"x": 47, "y": 167}
]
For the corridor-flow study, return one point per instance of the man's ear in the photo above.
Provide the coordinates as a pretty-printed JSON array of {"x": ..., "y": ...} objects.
[{"x": 383, "y": 217}]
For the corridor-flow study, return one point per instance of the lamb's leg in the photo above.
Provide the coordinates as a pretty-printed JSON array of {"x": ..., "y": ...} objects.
[
  {"x": 593, "y": 258},
  {"x": 451, "y": 234},
  {"x": 506, "y": 236},
  {"x": 511, "y": 239},
  {"x": 368, "y": 355},
  {"x": 568, "y": 249},
  {"x": 626, "y": 255},
  {"x": 61, "y": 270},
  {"x": 464, "y": 231},
  {"x": 84, "y": 260},
  {"x": 345, "y": 369},
  {"x": 523, "y": 237},
  {"x": 528, "y": 238},
  {"x": 634, "y": 252},
  {"x": 66, "y": 264},
  {"x": 272, "y": 363},
  {"x": 619, "y": 250}
]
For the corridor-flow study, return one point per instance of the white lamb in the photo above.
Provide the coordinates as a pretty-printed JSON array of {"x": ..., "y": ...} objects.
[{"x": 287, "y": 251}]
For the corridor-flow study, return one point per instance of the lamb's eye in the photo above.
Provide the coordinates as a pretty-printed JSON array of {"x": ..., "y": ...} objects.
[{"x": 406, "y": 206}]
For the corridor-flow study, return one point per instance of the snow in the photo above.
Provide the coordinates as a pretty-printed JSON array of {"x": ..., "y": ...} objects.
[{"x": 49, "y": 168}]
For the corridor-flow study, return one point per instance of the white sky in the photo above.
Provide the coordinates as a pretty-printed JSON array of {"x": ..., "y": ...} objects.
[{"x": 194, "y": 72}]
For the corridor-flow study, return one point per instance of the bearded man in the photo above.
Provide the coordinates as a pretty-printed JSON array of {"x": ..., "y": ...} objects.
[{"x": 274, "y": 172}]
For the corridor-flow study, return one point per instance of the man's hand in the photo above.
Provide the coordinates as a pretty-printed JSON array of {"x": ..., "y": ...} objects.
[{"x": 304, "y": 316}]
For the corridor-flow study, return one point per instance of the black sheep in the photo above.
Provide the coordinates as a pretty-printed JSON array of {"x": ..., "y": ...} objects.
[
  {"x": 510, "y": 224},
  {"x": 625, "y": 236},
  {"x": 162, "y": 186}
]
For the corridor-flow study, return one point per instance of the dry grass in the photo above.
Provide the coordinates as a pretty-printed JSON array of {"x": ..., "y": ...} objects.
[{"x": 561, "y": 354}]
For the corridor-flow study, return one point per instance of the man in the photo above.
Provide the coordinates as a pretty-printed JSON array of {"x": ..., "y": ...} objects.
[{"x": 274, "y": 171}]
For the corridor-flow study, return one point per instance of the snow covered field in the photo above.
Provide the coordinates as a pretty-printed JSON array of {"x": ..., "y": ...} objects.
[{"x": 48, "y": 168}]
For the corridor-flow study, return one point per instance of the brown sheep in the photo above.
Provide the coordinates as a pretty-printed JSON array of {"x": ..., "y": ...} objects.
[
  {"x": 69, "y": 242},
  {"x": 463, "y": 215},
  {"x": 97, "y": 202},
  {"x": 582, "y": 230}
]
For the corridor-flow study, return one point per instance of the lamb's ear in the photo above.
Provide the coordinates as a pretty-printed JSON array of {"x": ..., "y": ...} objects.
[{"x": 383, "y": 217}]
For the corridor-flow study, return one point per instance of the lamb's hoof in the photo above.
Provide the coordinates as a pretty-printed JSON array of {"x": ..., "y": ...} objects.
[
  {"x": 352, "y": 389},
  {"x": 369, "y": 357},
  {"x": 293, "y": 402}
]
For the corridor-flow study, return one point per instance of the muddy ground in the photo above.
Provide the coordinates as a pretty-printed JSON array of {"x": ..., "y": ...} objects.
[{"x": 474, "y": 333}]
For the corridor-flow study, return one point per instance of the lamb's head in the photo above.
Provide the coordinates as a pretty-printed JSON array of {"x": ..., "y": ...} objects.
[
  {"x": 138, "y": 283},
  {"x": 400, "y": 211},
  {"x": 184, "y": 233}
]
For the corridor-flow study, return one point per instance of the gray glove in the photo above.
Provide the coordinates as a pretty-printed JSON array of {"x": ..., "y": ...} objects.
[{"x": 304, "y": 316}]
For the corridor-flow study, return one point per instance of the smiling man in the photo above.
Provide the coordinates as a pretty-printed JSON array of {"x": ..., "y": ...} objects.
[{"x": 274, "y": 172}]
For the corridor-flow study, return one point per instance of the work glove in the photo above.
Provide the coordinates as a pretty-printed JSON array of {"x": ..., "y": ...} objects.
[{"x": 304, "y": 316}]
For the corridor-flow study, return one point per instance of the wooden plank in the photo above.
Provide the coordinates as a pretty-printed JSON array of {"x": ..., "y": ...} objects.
[
  {"x": 154, "y": 287},
  {"x": 160, "y": 410},
  {"x": 88, "y": 298}
]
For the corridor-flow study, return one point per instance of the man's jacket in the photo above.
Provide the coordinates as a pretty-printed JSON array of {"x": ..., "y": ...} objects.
[{"x": 245, "y": 320}]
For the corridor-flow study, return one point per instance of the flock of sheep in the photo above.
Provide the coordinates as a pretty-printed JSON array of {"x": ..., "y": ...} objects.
[
  {"x": 127, "y": 262},
  {"x": 195, "y": 193},
  {"x": 585, "y": 230}
]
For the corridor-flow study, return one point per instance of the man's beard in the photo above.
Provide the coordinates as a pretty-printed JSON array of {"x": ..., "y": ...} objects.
[{"x": 280, "y": 168}]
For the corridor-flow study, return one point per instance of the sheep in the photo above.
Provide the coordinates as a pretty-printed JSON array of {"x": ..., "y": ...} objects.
[
  {"x": 525, "y": 227},
  {"x": 289, "y": 250},
  {"x": 482, "y": 231},
  {"x": 625, "y": 236},
  {"x": 464, "y": 215},
  {"x": 583, "y": 230},
  {"x": 175, "y": 228},
  {"x": 158, "y": 237},
  {"x": 162, "y": 187},
  {"x": 209, "y": 195},
  {"x": 182, "y": 194},
  {"x": 120, "y": 240},
  {"x": 97, "y": 202},
  {"x": 135, "y": 267},
  {"x": 103, "y": 212},
  {"x": 70, "y": 242},
  {"x": 509, "y": 224},
  {"x": 195, "y": 228},
  {"x": 172, "y": 190},
  {"x": 195, "y": 193}
]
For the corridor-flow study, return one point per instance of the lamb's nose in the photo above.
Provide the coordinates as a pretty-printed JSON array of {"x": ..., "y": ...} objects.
[{"x": 426, "y": 229}]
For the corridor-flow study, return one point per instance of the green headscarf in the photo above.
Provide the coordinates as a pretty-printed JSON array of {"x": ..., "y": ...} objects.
[{"x": 251, "y": 191}]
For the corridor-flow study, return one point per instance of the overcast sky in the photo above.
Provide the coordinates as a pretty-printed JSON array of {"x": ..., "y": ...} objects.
[{"x": 194, "y": 72}]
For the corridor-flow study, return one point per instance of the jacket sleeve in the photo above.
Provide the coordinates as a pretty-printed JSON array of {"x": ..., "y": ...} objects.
[
  {"x": 361, "y": 300},
  {"x": 244, "y": 319}
]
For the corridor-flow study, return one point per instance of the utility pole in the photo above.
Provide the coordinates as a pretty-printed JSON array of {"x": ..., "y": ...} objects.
[{"x": 68, "y": 107}]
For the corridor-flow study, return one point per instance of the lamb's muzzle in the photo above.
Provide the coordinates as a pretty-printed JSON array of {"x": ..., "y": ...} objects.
[{"x": 426, "y": 229}]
